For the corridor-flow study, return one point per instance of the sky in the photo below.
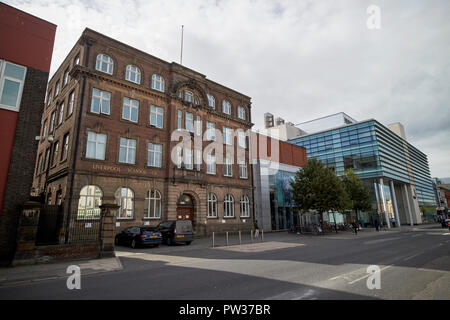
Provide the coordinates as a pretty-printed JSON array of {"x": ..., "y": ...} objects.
[{"x": 297, "y": 59}]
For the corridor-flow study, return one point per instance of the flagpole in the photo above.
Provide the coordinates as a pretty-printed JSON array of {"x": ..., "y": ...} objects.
[{"x": 182, "y": 36}]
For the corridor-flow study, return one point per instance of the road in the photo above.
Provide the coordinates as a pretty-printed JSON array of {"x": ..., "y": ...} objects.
[{"x": 414, "y": 264}]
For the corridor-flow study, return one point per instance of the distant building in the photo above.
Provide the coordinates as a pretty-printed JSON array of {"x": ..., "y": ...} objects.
[
  {"x": 396, "y": 172},
  {"x": 26, "y": 46}
]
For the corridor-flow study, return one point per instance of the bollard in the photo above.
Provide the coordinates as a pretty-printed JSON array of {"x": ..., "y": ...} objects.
[
  {"x": 213, "y": 240},
  {"x": 240, "y": 237},
  {"x": 251, "y": 235},
  {"x": 262, "y": 235},
  {"x": 227, "y": 238}
]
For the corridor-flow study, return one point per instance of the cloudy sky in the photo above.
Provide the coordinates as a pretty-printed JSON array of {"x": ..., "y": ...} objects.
[{"x": 297, "y": 59}]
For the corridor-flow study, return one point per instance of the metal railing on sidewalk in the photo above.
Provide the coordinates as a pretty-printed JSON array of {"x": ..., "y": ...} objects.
[{"x": 231, "y": 238}]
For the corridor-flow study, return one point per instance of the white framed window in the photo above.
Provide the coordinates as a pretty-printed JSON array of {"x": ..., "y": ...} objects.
[
  {"x": 61, "y": 113},
  {"x": 228, "y": 167},
  {"x": 57, "y": 89},
  {"x": 241, "y": 113},
  {"x": 154, "y": 155},
  {"x": 242, "y": 139},
  {"x": 76, "y": 61},
  {"x": 189, "y": 122},
  {"x": 71, "y": 103},
  {"x": 66, "y": 77},
  {"x": 104, "y": 64},
  {"x": 156, "y": 116},
  {"x": 245, "y": 207},
  {"x": 52, "y": 121},
  {"x": 179, "y": 158},
  {"x": 227, "y": 136},
  {"x": 226, "y": 107},
  {"x": 125, "y": 199},
  {"x": 133, "y": 74},
  {"x": 188, "y": 96},
  {"x": 243, "y": 171},
  {"x": 65, "y": 150},
  {"x": 210, "y": 164},
  {"x": 130, "y": 109},
  {"x": 127, "y": 152},
  {"x": 228, "y": 206},
  {"x": 44, "y": 128},
  {"x": 210, "y": 131},
  {"x": 153, "y": 204},
  {"x": 212, "y": 205},
  {"x": 12, "y": 78},
  {"x": 49, "y": 97},
  {"x": 179, "y": 119},
  {"x": 100, "y": 101},
  {"x": 55, "y": 153},
  {"x": 158, "y": 82},
  {"x": 188, "y": 159},
  {"x": 89, "y": 202},
  {"x": 211, "y": 101},
  {"x": 39, "y": 165},
  {"x": 96, "y": 146}
]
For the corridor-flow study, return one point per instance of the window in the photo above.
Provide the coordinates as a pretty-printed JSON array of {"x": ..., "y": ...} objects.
[
  {"x": 66, "y": 77},
  {"x": 228, "y": 206},
  {"x": 127, "y": 153},
  {"x": 12, "y": 78},
  {"x": 55, "y": 153},
  {"x": 212, "y": 205},
  {"x": 188, "y": 159},
  {"x": 179, "y": 119},
  {"x": 44, "y": 129},
  {"x": 179, "y": 159},
  {"x": 226, "y": 107},
  {"x": 210, "y": 131},
  {"x": 96, "y": 146},
  {"x": 71, "y": 103},
  {"x": 153, "y": 204},
  {"x": 47, "y": 158},
  {"x": 49, "y": 97},
  {"x": 104, "y": 64},
  {"x": 156, "y": 116},
  {"x": 39, "y": 165},
  {"x": 227, "y": 136},
  {"x": 100, "y": 101},
  {"x": 242, "y": 141},
  {"x": 154, "y": 158},
  {"x": 61, "y": 113},
  {"x": 133, "y": 74},
  {"x": 65, "y": 149},
  {"x": 198, "y": 126},
  {"x": 188, "y": 96},
  {"x": 89, "y": 203},
  {"x": 130, "y": 110},
  {"x": 243, "y": 172},
  {"x": 211, "y": 101},
  {"x": 189, "y": 122},
  {"x": 210, "y": 164},
  {"x": 52, "y": 121},
  {"x": 241, "y": 113},
  {"x": 245, "y": 210},
  {"x": 76, "y": 61},
  {"x": 125, "y": 199},
  {"x": 57, "y": 89},
  {"x": 228, "y": 167},
  {"x": 158, "y": 82},
  {"x": 198, "y": 159}
]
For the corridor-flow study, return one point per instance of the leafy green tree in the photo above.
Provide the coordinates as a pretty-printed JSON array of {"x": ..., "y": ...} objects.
[
  {"x": 358, "y": 193},
  {"x": 316, "y": 187}
]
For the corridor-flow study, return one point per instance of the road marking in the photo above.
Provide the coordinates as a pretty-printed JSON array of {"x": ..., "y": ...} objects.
[
  {"x": 413, "y": 256},
  {"x": 381, "y": 240},
  {"x": 368, "y": 275},
  {"x": 416, "y": 235}
]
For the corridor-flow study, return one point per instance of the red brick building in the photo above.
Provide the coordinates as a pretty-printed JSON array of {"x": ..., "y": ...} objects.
[
  {"x": 25, "y": 55},
  {"x": 111, "y": 111}
]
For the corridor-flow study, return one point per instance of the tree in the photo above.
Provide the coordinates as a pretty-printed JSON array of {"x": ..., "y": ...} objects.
[
  {"x": 358, "y": 193},
  {"x": 316, "y": 187}
]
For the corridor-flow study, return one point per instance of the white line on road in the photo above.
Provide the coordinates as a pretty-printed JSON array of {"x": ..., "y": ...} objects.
[
  {"x": 413, "y": 256},
  {"x": 367, "y": 275}
]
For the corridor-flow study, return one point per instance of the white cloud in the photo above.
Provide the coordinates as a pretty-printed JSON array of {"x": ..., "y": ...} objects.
[{"x": 304, "y": 59}]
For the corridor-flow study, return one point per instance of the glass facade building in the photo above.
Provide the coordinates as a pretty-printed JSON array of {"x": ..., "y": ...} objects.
[{"x": 396, "y": 172}]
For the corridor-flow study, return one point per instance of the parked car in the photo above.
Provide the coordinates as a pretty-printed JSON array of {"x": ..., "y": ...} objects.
[
  {"x": 176, "y": 231},
  {"x": 139, "y": 236}
]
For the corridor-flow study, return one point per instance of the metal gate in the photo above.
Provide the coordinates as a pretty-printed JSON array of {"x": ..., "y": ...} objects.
[{"x": 50, "y": 224}]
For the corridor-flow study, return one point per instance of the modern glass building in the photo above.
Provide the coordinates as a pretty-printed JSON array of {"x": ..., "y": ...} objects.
[{"x": 395, "y": 171}]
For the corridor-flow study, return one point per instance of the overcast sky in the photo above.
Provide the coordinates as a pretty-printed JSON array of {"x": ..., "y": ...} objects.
[{"x": 296, "y": 59}]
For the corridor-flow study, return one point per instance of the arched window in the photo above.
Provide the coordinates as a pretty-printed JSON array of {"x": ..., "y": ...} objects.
[
  {"x": 133, "y": 74},
  {"x": 104, "y": 64},
  {"x": 158, "y": 82},
  {"x": 125, "y": 199},
  {"x": 228, "y": 206},
  {"x": 211, "y": 101},
  {"x": 212, "y": 205},
  {"x": 153, "y": 204},
  {"x": 241, "y": 113},
  {"x": 245, "y": 208},
  {"x": 226, "y": 107},
  {"x": 89, "y": 203}
]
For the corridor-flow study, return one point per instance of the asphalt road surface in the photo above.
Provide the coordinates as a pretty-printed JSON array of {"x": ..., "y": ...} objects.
[{"x": 414, "y": 264}]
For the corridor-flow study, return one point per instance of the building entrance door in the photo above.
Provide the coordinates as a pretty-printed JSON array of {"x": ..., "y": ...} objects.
[{"x": 185, "y": 208}]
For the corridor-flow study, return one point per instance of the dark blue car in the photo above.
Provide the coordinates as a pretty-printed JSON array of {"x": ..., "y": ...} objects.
[{"x": 139, "y": 236}]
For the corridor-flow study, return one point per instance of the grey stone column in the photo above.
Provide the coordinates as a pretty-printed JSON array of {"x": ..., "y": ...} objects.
[{"x": 394, "y": 200}]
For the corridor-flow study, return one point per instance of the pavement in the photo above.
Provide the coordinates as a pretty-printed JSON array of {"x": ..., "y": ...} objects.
[{"x": 414, "y": 263}]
